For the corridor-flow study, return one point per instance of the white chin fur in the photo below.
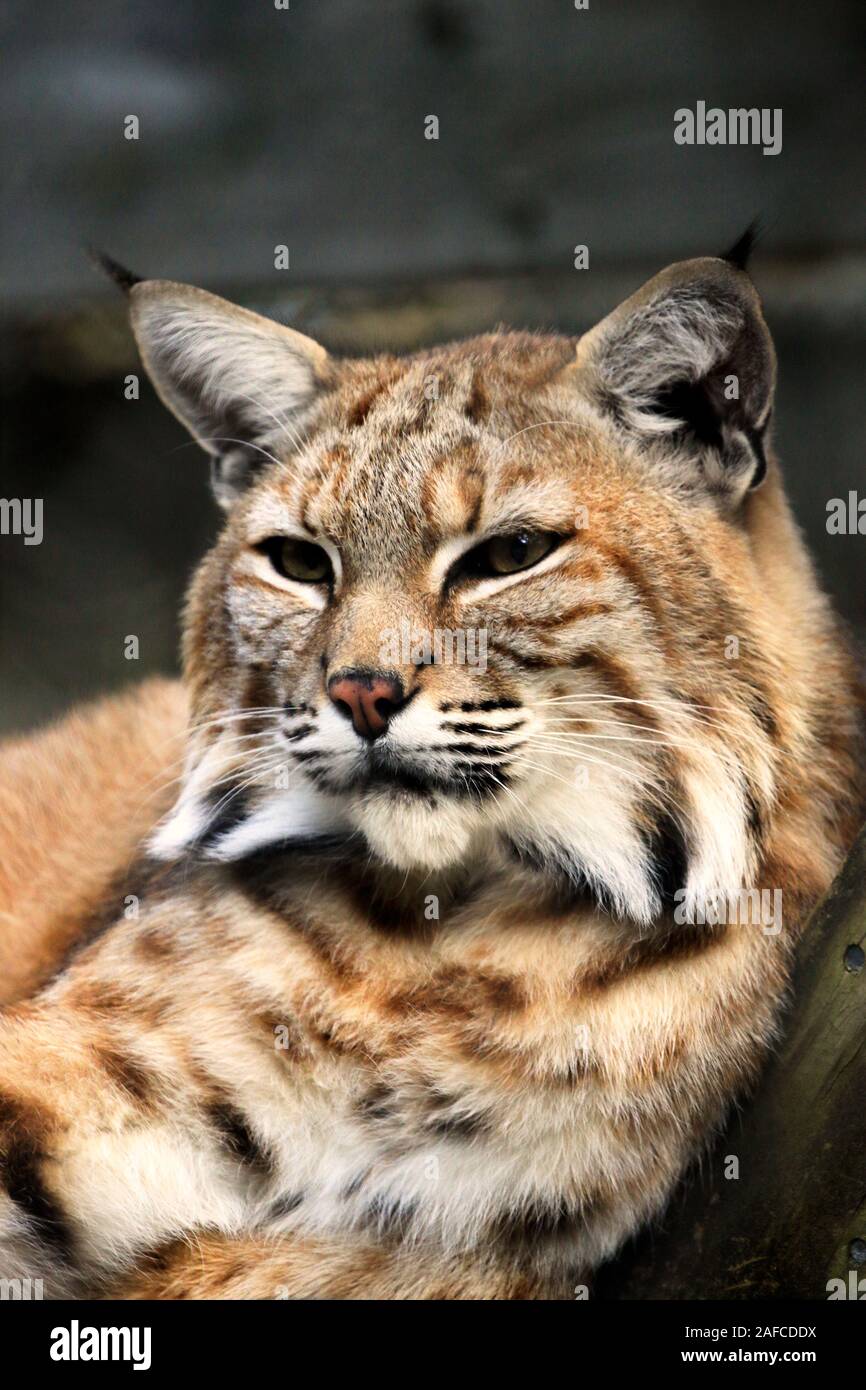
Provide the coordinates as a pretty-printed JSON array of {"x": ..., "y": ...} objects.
[
  {"x": 409, "y": 834},
  {"x": 587, "y": 834}
]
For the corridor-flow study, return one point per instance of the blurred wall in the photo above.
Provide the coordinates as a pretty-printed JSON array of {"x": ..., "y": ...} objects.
[{"x": 305, "y": 127}]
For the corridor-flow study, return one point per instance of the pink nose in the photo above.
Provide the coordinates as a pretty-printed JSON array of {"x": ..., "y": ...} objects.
[{"x": 368, "y": 698}]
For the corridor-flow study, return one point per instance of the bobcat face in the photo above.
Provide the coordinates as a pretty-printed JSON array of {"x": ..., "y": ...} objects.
[{"x": 476, "y": 601}]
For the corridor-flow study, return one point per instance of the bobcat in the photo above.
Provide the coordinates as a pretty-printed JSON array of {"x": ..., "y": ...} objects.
[{"x": 422, "y": 998}]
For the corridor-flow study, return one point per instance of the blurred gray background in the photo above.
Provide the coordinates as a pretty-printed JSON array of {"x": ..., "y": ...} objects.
[{"x": 304, "y": 126}]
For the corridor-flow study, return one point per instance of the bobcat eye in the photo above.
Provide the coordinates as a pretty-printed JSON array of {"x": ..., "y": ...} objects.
[
  {"x": 299, "y": 560},
  {"x": 507, "y": 554}
]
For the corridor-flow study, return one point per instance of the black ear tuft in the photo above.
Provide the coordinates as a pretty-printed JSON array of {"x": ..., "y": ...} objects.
[
  {"x": 741, "y": 251},
  {"x": 123, "y": 278}
]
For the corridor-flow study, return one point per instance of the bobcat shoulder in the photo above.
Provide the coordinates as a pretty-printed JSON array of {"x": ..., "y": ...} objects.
[{"x": 76, "y": 801}]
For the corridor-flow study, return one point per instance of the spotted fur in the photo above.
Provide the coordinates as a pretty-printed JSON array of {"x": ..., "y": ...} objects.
[{"x": 419, "y": 1018}]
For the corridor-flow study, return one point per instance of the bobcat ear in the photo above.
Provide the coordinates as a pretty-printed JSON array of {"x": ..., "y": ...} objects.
[
  {"x": 241, "y": 384},
  {"x": 686, "y": 368}
]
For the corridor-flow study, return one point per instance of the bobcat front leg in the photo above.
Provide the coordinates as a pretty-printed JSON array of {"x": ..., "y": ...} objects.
[{"x": 96, "y": 1162}]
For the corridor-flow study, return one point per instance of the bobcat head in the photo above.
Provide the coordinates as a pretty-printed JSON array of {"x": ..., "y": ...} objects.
[{"x": 480, "y": 600}]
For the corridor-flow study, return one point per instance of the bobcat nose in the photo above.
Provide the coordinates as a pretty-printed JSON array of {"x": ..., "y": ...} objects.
[{"x": 368, "y": 698}]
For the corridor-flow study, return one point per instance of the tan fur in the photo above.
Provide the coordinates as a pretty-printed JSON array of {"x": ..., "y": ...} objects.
[
  {"x": 75, "y": 803},
  {"x": 290, "y": 1075},
  {"x": 280, "y": 1268}
]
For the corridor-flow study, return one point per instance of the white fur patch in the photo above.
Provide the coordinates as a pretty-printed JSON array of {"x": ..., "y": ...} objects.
[{"x": 299, "y": 813}]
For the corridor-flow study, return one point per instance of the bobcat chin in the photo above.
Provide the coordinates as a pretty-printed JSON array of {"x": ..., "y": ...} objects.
[{"x": 422, "y": 1000}]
